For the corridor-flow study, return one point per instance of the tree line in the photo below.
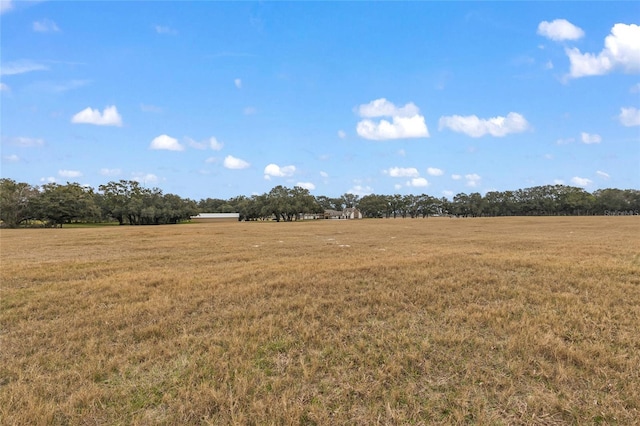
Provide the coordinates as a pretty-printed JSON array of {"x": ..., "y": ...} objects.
[{"x": 128, "y": 203}]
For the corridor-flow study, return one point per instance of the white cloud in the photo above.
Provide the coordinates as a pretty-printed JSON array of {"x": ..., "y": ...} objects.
[
  {"x": 433, "y": 171},
  {"x": 602, "y": 174},
  {"x": 473, "y": 180},
  {"x": 108, "y": 117},
  {"x": 418, "y": 182},
  {"x": 4, "y": 88},
  {"x": 621, "y": 51},
  {"x": 635, "y": 88},
  {"x": 163, "y": 29},
  {"x": 238, "y": 83},
  {"x": 589, "y": 138},
  {"x": 249, "y": 111},
  {"x": 69, "y": 173},
  {"x": 324, "y": 174},
  {"x": 629, "y": 117},
  {"x": 25, "y": 142},
  {"x": 360, "y": 190},
  {"x": 578, "y": 181},
  {"x": 397, "y": 186},
  {"x": 548, "y": 65},
  {"x": 21, "y": 67},
  {"x": 402, "y": 153},
  {"x": 231, "y": 162},
  {"x": 167, "y": 143},
  {"x": 5, "y": 6},
  {"x": 383, "y": 108},
  {"x": 306, "y": 185},
  {"x": 402, "y": 172},
  {"x": 49, "y": 179},
  {"x": 342, "y": 134},
  {"x": 399, "y": 128},
  {"x": 145, "y": 178},
  {"x": 558, "y": 182},
  {"x": 110, "y": 172},
  {"x": 447, "y": 193},
  {"x": 560, "y": 29},
  {"x": 456, "y": 177},
  {"x": 475, "y": 127},
  {"x": 45, "y": 26},
  {"x": 214, "y": 144},
  {"x": 13, "y": 158},
  {"x": 406, "y": 122},
  {"x": 277, "y": 171},
  {"x": 211, "y": 160}
]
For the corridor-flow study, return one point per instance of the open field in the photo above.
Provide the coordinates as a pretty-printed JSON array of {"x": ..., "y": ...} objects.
[{"x": 418, "y": 321}]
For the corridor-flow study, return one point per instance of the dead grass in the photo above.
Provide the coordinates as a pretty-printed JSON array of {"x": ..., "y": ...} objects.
[{"x": 481, "y": 321}]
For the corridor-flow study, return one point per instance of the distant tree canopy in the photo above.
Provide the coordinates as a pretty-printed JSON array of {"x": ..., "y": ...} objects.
[{"x": 128, "y": 203}]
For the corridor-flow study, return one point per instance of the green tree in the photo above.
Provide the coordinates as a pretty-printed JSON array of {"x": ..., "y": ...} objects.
[
  {"x": 15, "y": 202},
  {"x": 60, "y": 204}
]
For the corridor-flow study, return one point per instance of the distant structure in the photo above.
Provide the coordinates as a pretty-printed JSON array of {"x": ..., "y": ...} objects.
[
  {"x": 348, "y": 213},
  {"x": 216, "y": 217}
]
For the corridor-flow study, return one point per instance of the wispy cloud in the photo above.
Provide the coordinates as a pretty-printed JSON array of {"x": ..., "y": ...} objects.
[
  {"x": 59, "y": 87},
  {"x": 5, "y": 6},
  {"x": 306, "y": 185},
  {"x": 602, "y": 174},
  {"x": 12, "y": 158},
  {"x": 629, "y": 117},
  {"x": 476, "y": 127},
  {"x": 151, "y": 108},
  {"x": 360, "y": 190},
  {"x": 45, "y": 26},
  {"x": 21, "y": 67},
  {"x": 110, "y": 172},
  {"x": 434, "y": 171},
  {"x": 163, "y": 29},
  {"x": 590, "y": 138},
  {"x": 580, "y": 181},
  {"x": 238, "y": 83},
  {"x": 69, "y": 173},
  {"x": 26, "y": 142},
  {"x": 145, "y": 178},
  {"x": 473, "y": 180}
]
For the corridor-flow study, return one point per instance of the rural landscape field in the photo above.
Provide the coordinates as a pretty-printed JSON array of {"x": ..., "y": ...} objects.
[{"x": 528, "y": 320}]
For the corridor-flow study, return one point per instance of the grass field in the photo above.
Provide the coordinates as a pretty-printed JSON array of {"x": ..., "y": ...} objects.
[{"x": 415, "y": 321}]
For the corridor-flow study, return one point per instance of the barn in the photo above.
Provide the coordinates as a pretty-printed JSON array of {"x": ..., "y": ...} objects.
[{"x": 215, "y": 217}]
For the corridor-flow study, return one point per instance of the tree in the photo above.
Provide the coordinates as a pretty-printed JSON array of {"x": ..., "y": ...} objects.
[
  {"x": 373, "y": 206},
  {"x": 349, "y": 200},
  {"x": 59, "y": 204},
  {"x": 15, "y": 202},
  {"x": 117, "y": 199}
]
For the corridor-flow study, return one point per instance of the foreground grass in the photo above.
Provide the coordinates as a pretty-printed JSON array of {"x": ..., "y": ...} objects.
[{"x": 490, "y": 321}]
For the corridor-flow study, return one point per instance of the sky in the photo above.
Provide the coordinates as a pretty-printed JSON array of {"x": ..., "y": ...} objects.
[{"x": 219, "y": 99}]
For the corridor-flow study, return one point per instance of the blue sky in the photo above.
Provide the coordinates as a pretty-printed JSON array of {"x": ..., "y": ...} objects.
[{"x": 218, "y": 99}]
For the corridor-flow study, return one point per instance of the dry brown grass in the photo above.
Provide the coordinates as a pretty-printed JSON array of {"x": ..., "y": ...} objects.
[{"x": 485, "y": 321}]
